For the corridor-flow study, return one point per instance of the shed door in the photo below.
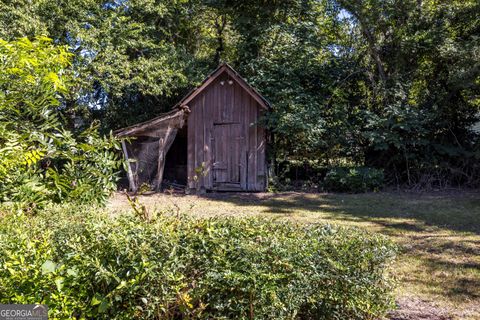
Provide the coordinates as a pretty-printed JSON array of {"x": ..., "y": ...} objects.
[{"x": 227, "y": 156}]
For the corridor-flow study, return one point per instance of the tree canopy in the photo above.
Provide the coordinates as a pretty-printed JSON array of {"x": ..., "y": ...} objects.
[{"x": 393, "y": 84}]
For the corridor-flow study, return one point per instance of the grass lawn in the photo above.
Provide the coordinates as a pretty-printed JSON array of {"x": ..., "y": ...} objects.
[{"x": 439, "y": 235}]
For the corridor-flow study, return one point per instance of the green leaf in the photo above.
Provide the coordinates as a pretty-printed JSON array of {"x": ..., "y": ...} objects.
[
  {"x": 72, "y": 272},
  {"x": 96, "y": 300},
  {"x": 103, "y": 306},
  {"x": 59, "y": 283},
  {"x": 48, "y": 267}
]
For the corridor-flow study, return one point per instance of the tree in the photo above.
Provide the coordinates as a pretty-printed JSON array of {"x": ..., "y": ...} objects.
[
  {"x": 392, "y": 84},
  {"x": 421, "y": 87}
]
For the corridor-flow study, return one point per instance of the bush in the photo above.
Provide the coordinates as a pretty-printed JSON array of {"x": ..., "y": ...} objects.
[
  {"x": 360, "y": 179},
  {"x": 83, "y": 263},
  {"x": 41, "y": 161}
]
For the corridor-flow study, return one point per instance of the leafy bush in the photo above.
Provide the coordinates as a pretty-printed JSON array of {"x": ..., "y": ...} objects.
[
  {"x": 86, "y": 264},
  {"x": 361, "y": 179},
  {"x": 42, "y": 161}
]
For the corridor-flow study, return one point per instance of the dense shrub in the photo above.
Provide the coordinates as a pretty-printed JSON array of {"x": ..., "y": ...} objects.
[
  {"x": 360, "y": 179},
  {"x": 84, "y": 263},
  {"x": 41, "y": 161}
]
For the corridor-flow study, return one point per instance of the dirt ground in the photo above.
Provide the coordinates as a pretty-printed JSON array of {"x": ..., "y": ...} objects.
[
  {"x": 416, "y": 309},
  {"x": 439, "y": 233}
]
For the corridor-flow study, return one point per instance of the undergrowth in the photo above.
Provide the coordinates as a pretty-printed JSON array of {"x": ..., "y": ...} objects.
[{"x": 84, "y": 263}]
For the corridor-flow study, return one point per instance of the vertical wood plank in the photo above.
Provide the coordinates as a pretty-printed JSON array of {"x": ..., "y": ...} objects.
[
  {"x": 228, "y": 103},
  {"x": 238, "y": 153},
  {"x": 191, "y": 147},
  {"x": 231, "y": 89},
  {"x": 253, "y": 141},
  {"x": 240, "y": 105},
  {"x": 237, "y": 103},
  {"x": 249, "y": 142},
  {"x": 199, "y": 141},
  {"x": 245, "y": 135},
  {"x": 228, "y": 147},
  {"x": 225, "y": 143},
  {"x": 208, "y": 123},
  {"x": 218, "y": 111},
  {"x": 216, "y": 99},
  {"x": 223, "y": 102},
  {"x": 261, "y": 158}
]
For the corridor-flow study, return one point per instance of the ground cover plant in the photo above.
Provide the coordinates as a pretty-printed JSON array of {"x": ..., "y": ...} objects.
[{"x": 86, "y": 263}]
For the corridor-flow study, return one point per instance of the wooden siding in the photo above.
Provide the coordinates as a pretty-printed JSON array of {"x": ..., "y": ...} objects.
[{"x": 224, "y": 138}]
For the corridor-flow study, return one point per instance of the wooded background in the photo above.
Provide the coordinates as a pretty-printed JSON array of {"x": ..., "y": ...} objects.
[{"x": 392, "y": 84}]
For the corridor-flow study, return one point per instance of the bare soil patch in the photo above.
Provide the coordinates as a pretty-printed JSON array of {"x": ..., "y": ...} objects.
[{"x": 419, "y": 309}]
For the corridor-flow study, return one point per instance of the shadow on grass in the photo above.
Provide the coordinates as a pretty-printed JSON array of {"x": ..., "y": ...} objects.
[
  {"x": 459, "y": 287},
  {"x": 437, "y": 262},
  {"x": 416, "y": 221},
  {"x": 457, "y": 212}
]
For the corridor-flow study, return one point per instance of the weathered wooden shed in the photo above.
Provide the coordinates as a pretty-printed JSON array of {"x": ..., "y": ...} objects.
[{"x": 211, "y": 140}]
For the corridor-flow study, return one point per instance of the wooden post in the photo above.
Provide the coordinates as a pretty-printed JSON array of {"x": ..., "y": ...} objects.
[
  {"x": 161, "y": 158},
  {"x": 160, "y": 164},
  {"x": 131, "y": 180}
]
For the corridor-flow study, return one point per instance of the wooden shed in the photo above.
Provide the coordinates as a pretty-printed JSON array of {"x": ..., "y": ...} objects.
[{"x": 211, "y": 140}]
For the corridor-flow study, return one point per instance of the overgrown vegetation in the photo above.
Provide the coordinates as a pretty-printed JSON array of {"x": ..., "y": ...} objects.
[
  {"x": 353, "y": 179},
  {"x": 42, "y": 160},
  {"x": 87, "y": 264},
  {"x": 439, "y": 234},
  {"x": 390, "y": 84}
]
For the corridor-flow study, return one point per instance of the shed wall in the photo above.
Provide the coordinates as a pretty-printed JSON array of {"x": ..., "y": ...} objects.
[{"x": 226, "y": 147}]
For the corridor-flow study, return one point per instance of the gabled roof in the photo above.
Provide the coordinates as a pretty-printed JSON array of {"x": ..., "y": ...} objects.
[
  {"x": 181, "y": 108},
  {"x": 224, "y": 67}
]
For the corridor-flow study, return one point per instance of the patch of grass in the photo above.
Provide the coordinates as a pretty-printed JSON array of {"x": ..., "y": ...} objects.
[{"x": 439, "y": 233}]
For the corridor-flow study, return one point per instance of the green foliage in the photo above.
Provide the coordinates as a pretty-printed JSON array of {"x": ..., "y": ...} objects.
[
  {"x": 41, "y": 160},
  {"x": 86, "y": 264},
  {"x": 357, "y": 179},
  {"x": 383, "y": 83},
  {"x": 418, "y": 92}
]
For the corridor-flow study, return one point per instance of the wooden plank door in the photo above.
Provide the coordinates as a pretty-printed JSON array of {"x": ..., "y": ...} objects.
[{"x": 227, "y": 156}]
